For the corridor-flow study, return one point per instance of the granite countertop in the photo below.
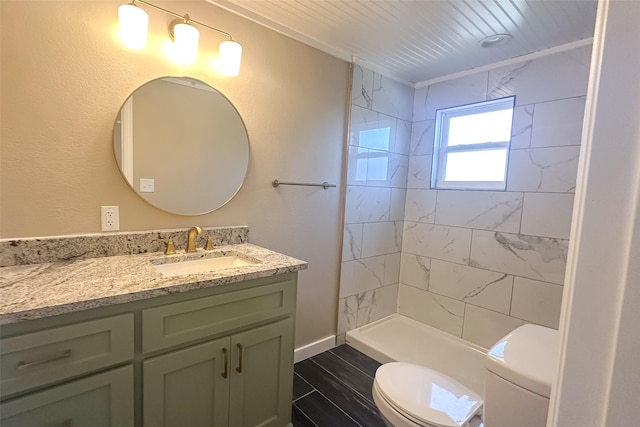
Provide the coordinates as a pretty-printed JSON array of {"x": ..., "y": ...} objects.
[{"x": 34, "y": 291}]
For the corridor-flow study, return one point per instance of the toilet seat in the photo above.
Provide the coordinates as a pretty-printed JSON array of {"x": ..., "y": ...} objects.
[{"x": 424, "y": 396}]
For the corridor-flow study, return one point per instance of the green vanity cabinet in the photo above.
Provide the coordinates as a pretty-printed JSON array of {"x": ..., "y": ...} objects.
[
  {"x": 261, "y": 387},
  {"x": 33, "y": 361},
  {"x": 219, "y": 356},
  {"x": 102, "y": 400},
  {"x": 242, "y": 380},
  {"x": 187, "y": 388},
  {"x": 39, "y": 358}
]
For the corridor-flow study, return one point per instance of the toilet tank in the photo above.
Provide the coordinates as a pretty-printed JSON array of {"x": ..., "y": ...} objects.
[
  {"x": 520, "y": 369},
  {"x": 526, "y": 357}
]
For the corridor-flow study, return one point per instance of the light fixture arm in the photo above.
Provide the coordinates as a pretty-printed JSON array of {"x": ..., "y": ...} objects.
[{"x": 184, "y": 18}]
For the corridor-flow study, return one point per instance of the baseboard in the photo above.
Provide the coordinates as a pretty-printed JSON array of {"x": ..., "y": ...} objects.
[{"x": 314, "y": 348}]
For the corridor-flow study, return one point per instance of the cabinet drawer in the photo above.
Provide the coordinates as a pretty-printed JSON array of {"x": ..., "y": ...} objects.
[
  {"x": 102, "y": 400},
  {"x": 43, "y": 357},
  {"x": 179, "y": 323}
]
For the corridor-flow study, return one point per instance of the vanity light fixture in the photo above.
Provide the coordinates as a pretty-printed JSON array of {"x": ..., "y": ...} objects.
[{"x": 133, "y": 33}]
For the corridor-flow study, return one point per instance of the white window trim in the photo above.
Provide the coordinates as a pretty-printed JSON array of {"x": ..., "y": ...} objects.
[{"x": 441, "y": 150}]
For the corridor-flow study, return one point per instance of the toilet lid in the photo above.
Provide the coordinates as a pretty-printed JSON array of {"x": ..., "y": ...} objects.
[{"x": 426, "y": 396}]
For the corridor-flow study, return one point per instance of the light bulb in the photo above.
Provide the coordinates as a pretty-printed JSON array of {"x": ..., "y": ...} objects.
[
  {"x": 133, "y": 26},
  {"x": 230, "y": 57},
  {"x": 186, "y": 39}
]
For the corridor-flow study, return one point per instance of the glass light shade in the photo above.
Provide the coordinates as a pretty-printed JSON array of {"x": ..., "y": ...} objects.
[
  {"x": 133, "y": 26},
  {"x": 230, "y": 57},
  {"x": 186, "y": 39}
]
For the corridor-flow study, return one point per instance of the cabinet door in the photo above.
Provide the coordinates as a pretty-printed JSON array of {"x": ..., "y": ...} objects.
[
  {"x": 188, "y": 387},
  {"x": 103, "y": 400},
  {"x": 262, "y": 376}
]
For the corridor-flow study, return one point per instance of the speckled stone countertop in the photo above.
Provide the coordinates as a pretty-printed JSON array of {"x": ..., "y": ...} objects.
[{"x": 33, "y": 291}]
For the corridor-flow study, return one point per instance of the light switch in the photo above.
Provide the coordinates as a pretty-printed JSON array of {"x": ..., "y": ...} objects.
[{"x": 147, "y": 185}]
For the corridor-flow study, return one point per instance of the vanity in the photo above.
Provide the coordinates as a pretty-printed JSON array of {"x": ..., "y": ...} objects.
[
  {"x": 117, "y": 341},
  {"x": 162, "y": 328}
]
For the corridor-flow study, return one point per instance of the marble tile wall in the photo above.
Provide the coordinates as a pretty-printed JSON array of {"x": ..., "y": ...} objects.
[
  {"x": 477, "y": 264},
  {"x": 378, "y": 165}
]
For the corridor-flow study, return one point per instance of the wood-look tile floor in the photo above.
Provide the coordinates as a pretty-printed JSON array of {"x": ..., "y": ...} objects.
[{"x": 333, "y": 389}]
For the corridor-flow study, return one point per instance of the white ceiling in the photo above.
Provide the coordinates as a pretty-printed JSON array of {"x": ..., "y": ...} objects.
[{"x": 418, "y": 40}]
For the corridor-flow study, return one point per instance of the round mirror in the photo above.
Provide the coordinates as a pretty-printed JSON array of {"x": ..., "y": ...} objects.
[{"x": 181, "y": 145}]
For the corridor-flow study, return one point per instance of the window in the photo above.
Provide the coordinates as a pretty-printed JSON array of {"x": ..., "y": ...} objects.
[{"x": 471, "y": 146}]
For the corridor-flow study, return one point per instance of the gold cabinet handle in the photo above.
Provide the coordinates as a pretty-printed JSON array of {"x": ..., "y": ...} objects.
[
  {"x": 24, "y": 365},
  {"x": 225, "y": 373},
  {"x": 239, "y": 368}
]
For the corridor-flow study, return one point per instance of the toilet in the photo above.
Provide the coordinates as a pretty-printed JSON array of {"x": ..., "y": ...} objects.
[
  {"x": 520, "y": 369},
  {"x": 409, "y": 395}
]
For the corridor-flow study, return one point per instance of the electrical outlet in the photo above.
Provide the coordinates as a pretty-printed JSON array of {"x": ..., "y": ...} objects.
[{"x": 110, "y": 218}]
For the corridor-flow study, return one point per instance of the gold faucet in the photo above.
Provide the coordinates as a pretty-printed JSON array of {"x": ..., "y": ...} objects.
[{"x": 191, "y": 239}]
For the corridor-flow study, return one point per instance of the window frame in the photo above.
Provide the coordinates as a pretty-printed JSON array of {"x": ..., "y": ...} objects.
[{"x": 441, "y": 150}]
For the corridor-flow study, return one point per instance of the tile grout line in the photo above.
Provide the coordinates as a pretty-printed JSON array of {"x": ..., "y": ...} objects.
[
  {"x": 334, "y": 404},
  {"x": 340, "y": 409},
  {"x": 302, "y": 378},
  {"x": 304, "y": 414},
  {"x": 305, "y": 395},
  {"x": 344, "y": 384}
]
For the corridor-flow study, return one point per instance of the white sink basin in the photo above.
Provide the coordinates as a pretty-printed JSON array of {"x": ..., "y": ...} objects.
[{"x": 181, "y": 267}]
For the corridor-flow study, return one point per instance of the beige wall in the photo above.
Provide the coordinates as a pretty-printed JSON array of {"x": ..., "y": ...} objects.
[{"x": 64, "y": 78}]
